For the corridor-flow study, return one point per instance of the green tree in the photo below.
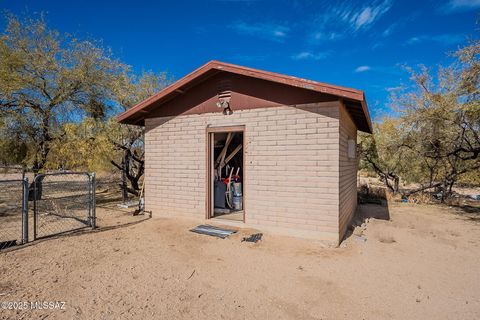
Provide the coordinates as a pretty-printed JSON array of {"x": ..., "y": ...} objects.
[
  {"x": 378, "y": 152},
  {"x": 83, "y": 146},
  {"x": 13, "y": 149},
  {"x": 435, "y": 139},
  {"x": 48, "y": 79}
]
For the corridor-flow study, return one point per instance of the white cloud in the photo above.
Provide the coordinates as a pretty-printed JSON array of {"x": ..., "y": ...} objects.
[
  {"x": 414, "y": 40},
  {"x": 308, "y": 55},
  {"x": 370, "y": 14},
  {"x": 390, "y": 30},
  {"x": 394, "y": 89},
  {"x": 460, "y": 5},
  {"x": 326, "y": 36},
  {"x": 268, "y": 31},
  {"x": 445, "y": 39},
  {"x": 344, "y": 18},
  {"x": 399, "y": 23},
  {"x": 363, "y": 69}
]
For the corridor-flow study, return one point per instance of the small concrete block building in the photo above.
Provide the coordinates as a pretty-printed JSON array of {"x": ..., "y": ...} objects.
[{"x": 253, "y": 148}]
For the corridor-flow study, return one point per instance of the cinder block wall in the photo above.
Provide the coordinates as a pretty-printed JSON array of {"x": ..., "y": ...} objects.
[
  {"x": 292, "y": 167},
  {"x": 348, "y": 172}
]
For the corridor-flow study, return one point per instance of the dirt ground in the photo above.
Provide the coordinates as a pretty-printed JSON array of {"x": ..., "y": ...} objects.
[{"x": 422, "y": 264}]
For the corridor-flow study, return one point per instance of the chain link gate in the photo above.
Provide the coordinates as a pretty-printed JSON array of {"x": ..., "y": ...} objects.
[
  {"x": 13, "y": 212},
  {"x": 62, "y": 202}
]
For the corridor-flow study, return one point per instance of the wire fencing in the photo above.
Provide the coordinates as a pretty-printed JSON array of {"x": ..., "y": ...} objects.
[
  {"x": 62, "y": 202},
  {"x": 13, "y": 213},
  {"x": 58, "y": 203}
]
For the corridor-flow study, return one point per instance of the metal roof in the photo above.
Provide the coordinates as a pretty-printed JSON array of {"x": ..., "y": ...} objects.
[{"x": 349, "y": 95}]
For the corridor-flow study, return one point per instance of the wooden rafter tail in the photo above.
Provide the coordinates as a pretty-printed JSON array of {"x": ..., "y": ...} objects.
[
  {"x": 234, "y": 152},
  {"x": 221, "y": 156}
]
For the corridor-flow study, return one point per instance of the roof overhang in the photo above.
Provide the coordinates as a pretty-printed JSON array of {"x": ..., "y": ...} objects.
[{"x": 353, "y": 99}]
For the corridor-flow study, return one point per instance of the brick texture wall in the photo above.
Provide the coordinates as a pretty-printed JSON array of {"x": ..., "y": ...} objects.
[
  {"x": 292, "y": 156},
  {"x": 348, "y": 172}
]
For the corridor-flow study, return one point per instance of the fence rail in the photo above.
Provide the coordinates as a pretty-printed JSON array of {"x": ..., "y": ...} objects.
[
  {"x": 13, "y": 212},
  {"x": 61, "y": 202}
]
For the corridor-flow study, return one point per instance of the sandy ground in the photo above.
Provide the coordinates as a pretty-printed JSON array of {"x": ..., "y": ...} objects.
[{"x": 422, "y": 264}]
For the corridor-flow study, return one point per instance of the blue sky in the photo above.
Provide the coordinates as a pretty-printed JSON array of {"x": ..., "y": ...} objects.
[{"x": 359, "y": 44}]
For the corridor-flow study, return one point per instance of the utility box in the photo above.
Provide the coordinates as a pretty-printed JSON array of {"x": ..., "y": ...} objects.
[{"x": 220, "y": 189}]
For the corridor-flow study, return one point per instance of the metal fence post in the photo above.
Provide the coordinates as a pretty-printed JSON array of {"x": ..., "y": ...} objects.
[
  {"x": 24, "y": 210},
  {"x": 89, "y": 200},
  {"x": 93, "y": 203},
  {"x": 34, "y": 207}
]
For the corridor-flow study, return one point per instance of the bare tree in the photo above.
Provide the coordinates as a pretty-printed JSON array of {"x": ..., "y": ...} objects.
[{"x": 129, "y": 90}]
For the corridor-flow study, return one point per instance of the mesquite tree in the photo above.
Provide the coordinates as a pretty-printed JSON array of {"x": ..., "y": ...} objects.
[
  {"x": 129, "y": 90},
  {"x": 380, "y": 154},
  {"x": 48, "y": 79},
  {"x": 435, "y": 140}
]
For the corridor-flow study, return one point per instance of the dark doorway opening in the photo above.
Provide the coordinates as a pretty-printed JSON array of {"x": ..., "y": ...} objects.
[{"x": 226, "y": 176}]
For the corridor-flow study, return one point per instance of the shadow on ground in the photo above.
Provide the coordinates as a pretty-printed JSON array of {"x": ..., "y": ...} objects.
[
  {"x": 106, "y": 197},
  {"x": 365, "y": 212},
  {"x": 109, "y": 217},
  {"x": 77, "y": 233},
  {"x": 469, "y": 210},
  {"x": 372, "y": 204}
]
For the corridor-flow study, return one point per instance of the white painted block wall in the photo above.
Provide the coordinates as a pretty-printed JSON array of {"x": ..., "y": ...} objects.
[{"x": 292, "y": 159}]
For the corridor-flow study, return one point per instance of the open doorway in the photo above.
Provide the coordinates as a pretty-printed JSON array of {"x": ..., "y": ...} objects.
[{"x": 226, "y": 171}]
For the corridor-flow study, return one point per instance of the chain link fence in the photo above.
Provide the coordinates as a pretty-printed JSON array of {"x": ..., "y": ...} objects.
[
  {"x": 13, "y": 213},
  {"x": 62, "y": 202},
  {"x": 43, "y": 205},
  {"x": 13, "y": 206},
  {"x": 58, "y": 203}
]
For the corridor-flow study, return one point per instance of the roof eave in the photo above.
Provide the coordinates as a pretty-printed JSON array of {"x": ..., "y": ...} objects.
[
  {"x": 367, "y": 115},
  {"x": 134, "y": 115}
]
